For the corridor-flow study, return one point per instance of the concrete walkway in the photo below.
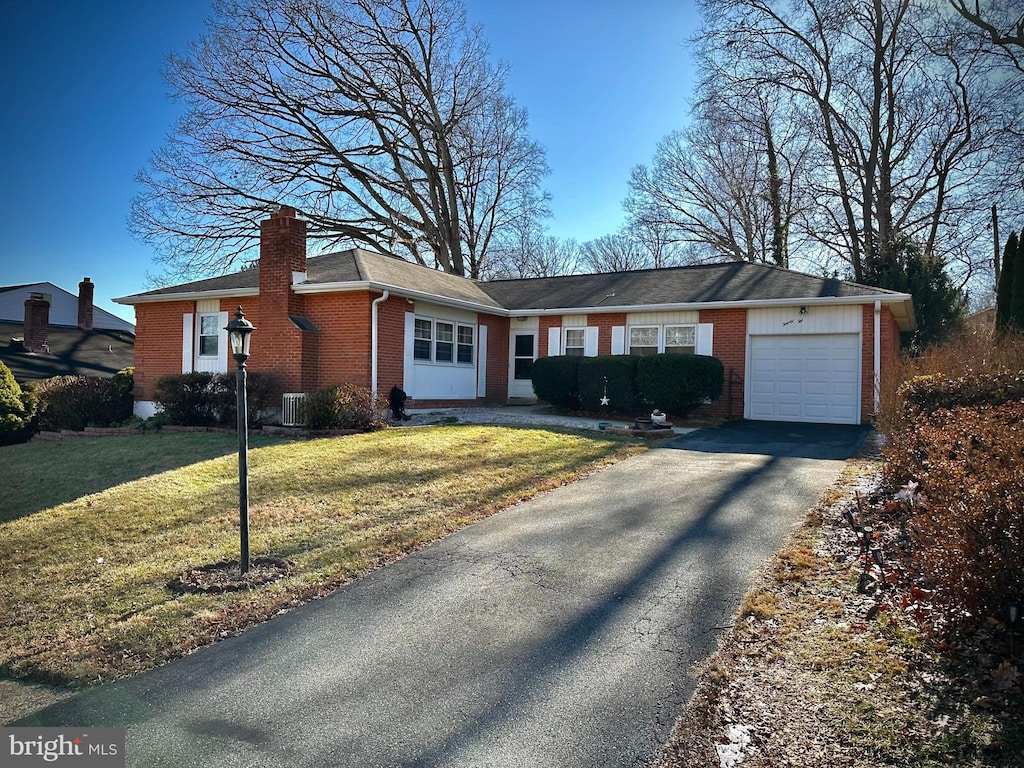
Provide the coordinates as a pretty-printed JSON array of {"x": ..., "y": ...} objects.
[{"x": 557, "y": 633}]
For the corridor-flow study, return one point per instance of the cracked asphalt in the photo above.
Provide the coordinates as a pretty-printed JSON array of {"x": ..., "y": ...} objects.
[{"x": 557, "y": 633}]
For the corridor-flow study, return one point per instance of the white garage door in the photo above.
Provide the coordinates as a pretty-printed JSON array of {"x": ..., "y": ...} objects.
[{"x": 805, "y": 378}]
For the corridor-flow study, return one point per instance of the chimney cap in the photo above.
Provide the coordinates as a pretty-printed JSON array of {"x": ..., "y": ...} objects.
[
  {"x": 86, "y": 280},
  {"x": 284, "y": 212}
]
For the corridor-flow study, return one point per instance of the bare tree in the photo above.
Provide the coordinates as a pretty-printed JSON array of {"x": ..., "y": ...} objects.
[
  {"x": 618, "y": 252},
  {"x": 383, "y": 121},
  {"x": 898, "y": 108},
  {"x": 1002, "y": 21}
]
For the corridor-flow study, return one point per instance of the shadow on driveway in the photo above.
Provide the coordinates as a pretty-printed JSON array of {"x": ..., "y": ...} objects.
[{"x": 777, "y": 438}]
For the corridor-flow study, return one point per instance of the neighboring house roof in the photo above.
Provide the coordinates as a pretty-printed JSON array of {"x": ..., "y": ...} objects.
[
  {"x": 63, "y": 307},
  {"x": 99, "y": 352},
  {"x": 740, "y": 283}
]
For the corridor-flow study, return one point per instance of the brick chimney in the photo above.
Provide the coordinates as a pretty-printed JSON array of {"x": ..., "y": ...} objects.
[
  {"x": 278, "y": 344},
  {"x": 37, "y": 322},
  {"x": 85, "y": 289}
]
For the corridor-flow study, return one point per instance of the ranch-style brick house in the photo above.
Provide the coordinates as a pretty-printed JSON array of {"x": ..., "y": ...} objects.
[{"x": 795, "y": 347}]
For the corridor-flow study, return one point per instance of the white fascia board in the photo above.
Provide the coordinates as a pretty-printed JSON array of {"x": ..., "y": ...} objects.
[
  {"x": 224, "y": 293},
  {"x": 405, "y": 293}
]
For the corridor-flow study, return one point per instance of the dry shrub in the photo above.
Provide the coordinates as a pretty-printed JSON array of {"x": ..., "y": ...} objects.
[
  {"x": 968, "y": 527},
  {"x": 967, "y": 354},
  {"x": 345, "y": 406}
]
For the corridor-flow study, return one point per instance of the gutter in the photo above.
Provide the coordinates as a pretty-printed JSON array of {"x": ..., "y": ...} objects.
[{"x": 373, "y": 338}]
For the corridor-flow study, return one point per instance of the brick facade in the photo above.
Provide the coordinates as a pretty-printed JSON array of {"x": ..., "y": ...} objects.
[
  {"x": 604, "y": 324},
  {"x": 729, "y": 344},
  {"x": 889, "y": 348},
  {"x": 158, "y": 343}
]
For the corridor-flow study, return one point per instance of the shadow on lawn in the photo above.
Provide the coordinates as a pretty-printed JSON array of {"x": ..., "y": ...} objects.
[{"x": 41, "y": 475}]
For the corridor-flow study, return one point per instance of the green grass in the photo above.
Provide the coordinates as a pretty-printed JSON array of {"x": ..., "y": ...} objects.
[{"x": 94, "y": 530}]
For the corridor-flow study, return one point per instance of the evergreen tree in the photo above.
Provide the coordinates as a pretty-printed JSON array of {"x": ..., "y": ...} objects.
[
  {"x": 1005, "y": 289},
  {"x": 16, "y": 408},
  {"x": 938, "y": 304},
  {"x": 1017, "y": 292}
]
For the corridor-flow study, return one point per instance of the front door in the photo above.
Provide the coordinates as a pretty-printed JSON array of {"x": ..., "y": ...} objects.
[{"x": 524, "y": 352}]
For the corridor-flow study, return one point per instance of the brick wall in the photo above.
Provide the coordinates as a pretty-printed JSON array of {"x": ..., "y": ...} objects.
[
  {"x": 282, "y": 251},
  {"x": 344, "y": 337},
  {"x": 158, "y": 340},
  {"x": 730, "y": 346},
  {"x": 604, "y": 324},
  {"x": 498, "y": 332},
  {"x": 889, "y": 347},
  {"x": 547, "y": 322},
  {"x": 391, "y": 342}
]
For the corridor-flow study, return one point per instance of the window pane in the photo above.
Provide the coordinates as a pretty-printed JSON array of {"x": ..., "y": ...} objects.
[
  {"x": 421, "y": 349},
  {"x": 643, "y": 337},
  {"x": 643, "y": 350},
  {"x": 524, "y": 346},
  {"x": 574, "y": 337},
  {"x": 679, "y": 350},
  {"x": 443, "y": 352},
  {"x": 445, "y": 332},
  {"x": 574, "y": 351},
  {"x": 208, "y": 325},
  {"x": 208, "y": 346},
  {"x": 465, "y": 353},
  {"x": 679, "y": 336},
  {"x": 465, "y": 334},
  {"x": 524, "y": 368},
  {"x": 423, "y": 329}
]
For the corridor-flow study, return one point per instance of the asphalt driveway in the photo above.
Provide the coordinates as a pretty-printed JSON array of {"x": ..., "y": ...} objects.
[{"x": 557, "y": 633}]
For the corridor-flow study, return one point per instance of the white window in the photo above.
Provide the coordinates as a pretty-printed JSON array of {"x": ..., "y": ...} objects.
[
  {"x": 465, "y": 344},
  {"x": 209, "y": 330},
  {"x": 680, "y": 339},
  {"x": 423, "y": 339},
  {"x": 575, "y": 341},
  {"x": 643, "y": 340},
  {"x": 443, "y": 341},
  {"x": 673, "y": 339},
  {"x": 444, "y": 347}
]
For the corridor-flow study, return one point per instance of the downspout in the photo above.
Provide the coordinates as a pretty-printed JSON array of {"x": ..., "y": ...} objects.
[
  {"x": 878, "y": 354},
  {"x": 373, "y": 339}
]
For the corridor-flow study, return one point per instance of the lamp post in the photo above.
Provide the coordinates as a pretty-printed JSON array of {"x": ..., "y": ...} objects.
[{"x": 238, "y": 333}]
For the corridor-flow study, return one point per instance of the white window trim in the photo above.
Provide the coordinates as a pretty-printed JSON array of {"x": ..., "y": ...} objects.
[
  {"x": 200, "y": 316},
  {"x": 434, "y": 341},
  {"x": 582, "y": 347},
  {"x": 628, "y": 335}
]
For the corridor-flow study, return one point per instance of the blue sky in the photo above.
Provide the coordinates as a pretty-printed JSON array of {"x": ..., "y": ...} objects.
[{"x": 84, "y": 106}]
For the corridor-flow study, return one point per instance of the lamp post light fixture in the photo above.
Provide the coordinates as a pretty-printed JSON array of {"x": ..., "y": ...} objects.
[{"x": 239, "y": 330}]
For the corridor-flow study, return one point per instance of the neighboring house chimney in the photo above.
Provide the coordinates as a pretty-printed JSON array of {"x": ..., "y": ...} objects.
[
  {"x": 85, "y": 289},
  {"x": 37, "y": 322},
  {"x": 278, "y": 343}
]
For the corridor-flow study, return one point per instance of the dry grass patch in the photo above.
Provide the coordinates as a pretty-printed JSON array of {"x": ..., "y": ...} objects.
[{"x": 84, "y": 590}]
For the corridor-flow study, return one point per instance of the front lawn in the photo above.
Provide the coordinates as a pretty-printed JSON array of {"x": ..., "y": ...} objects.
[{"x": 93, "y": 531}]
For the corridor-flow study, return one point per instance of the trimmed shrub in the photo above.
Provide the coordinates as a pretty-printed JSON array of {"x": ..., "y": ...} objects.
[
  {"x": 190, "y": 399},
  {"x": 556, "y": 380},
  {"x": 677, "y": 384},
  {"x": 77, "y": 402},
  {"x": 613, "y": 376},
  {"x": 929, "y": 393},
  {"x": 17, "y": 407},
  {"x": 967, "y": 525},
  {"x": 261, "y": 391},
  {"x": 345, "y": 406}
]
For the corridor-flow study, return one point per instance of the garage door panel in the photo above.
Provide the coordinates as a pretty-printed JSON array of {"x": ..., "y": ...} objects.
[{"x": 813, "y": 378}]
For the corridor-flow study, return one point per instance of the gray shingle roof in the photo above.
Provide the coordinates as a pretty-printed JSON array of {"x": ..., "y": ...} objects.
[
  {"x": 71, "y": 351},
  {"x": 728, "y": 282}
]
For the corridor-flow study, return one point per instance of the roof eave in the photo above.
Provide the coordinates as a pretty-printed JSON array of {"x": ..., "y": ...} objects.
[
  {"x": 220, "y": 293},
  {"x": 397, "y": 290}
]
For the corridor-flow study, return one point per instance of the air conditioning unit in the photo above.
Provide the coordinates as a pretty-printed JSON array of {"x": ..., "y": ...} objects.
[{"x": 293, "y": 409}]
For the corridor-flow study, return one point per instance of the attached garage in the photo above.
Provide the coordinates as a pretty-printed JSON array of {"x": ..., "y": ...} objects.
[{"x": 811, "y": 378}]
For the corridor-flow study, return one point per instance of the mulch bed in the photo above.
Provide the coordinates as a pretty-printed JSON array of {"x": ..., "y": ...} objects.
[{"x": 226, "y": 576}]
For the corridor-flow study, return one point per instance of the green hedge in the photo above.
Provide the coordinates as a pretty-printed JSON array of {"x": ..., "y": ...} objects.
[
  {"x": 927, "y": 394},
  {"x": 203, "y": 399},
  {"x": 77, "y": 402},
  {"x": 556, "y": 381},
  {"x": 677, "y": 384},
  {"x": 611, "y": 376}
]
